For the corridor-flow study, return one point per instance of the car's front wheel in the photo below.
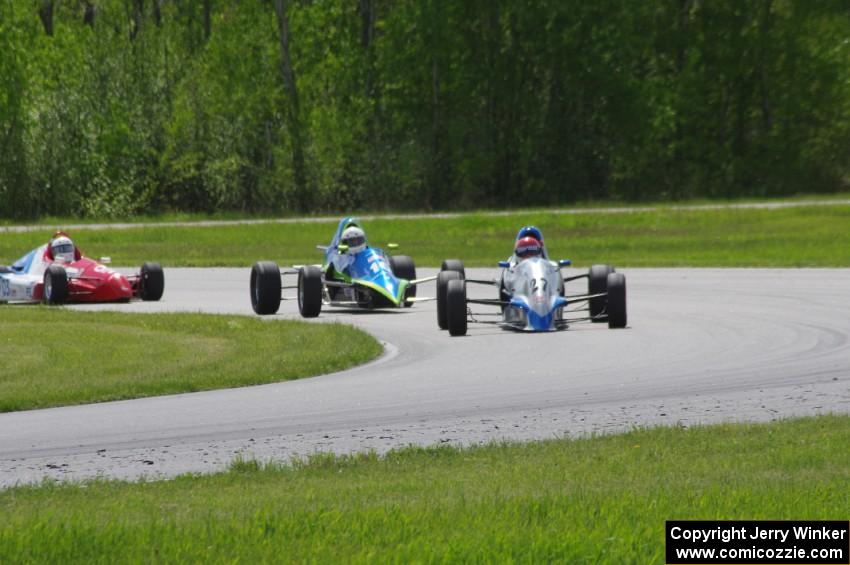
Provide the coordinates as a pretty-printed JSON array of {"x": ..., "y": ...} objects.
[
  {"x": 55, "y": 288},
  {"x": 151, "y": 282},
  {"x": 403, "y": 267},
  {"x": 443, "y": 279},
  {"x": 456, "y": 307},
  {"x": 616, "y": 300},
  {"x": 597, "y": 283},
  {"x": 309, "y": 291},
  {"x": 265, "y": 287}
]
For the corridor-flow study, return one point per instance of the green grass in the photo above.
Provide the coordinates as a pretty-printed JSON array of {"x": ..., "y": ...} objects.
[
  {"x": 598, "y": 500},
  {"x": 809, "y": 236},
  {"x": 171, "y": 216},
  {"x": 54, "y": 357}
]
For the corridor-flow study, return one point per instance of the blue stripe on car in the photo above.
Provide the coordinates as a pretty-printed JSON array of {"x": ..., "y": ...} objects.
[
  {"x": 23, "y": 264},
  {"x": 539, "y": 323}
]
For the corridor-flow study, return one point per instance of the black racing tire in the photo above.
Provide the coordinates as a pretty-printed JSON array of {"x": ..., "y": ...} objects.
[
  {"x": 504, "y": 295},
  {"x": 151, "y": 282},
  {"x": 454, "y": 265},
  {"x": 597, "y": 283},
  {"x": 265, "y": 287},
  {"x": 310, "y": 291},
  {"x": 616, "y": 300},
  {"x": 55, "y": 289},
  {"x": 443, "y": 279},
  {"x": 403, "y": 267},
  {"x": 456, "y": 307}
]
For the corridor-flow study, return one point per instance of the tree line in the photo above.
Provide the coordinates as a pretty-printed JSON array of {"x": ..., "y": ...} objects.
[{"x": 121, "y": 107}]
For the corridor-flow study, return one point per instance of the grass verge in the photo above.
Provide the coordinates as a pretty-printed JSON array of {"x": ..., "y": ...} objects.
[
  {"x": 808, "y": 236},
  {"x": 54, "y": 357},
  {"x": 597, "y": 500}
]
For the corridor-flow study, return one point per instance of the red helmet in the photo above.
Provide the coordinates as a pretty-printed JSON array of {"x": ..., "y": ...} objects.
[{"x": 528, "y": 247}]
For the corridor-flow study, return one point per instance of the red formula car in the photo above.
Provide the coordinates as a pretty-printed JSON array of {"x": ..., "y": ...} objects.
[{"x": 57, "y": 272}]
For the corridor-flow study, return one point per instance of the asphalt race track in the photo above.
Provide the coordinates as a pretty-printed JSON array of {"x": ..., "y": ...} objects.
[{"x": 702, "y": 346}]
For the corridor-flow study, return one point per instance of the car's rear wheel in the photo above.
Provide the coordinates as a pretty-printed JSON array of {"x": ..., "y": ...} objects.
[
  {"x": 265, "y": 287},
  {"x": 151, "y": 282},
  {"x": 454, "y": 265},
  {"x": 456, "y": 307},
  {"x": 309, "y": 291},
  {"x": 597, "y": 283},
  {"x": 616, "y": 300},
  {"x": 443, "y": 279},
  {"x": 403, "y": 267},
  {"x": 55, "y": 289}
]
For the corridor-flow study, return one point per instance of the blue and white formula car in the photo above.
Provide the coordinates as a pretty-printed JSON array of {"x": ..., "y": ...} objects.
[
  {"x": 352, "y": 274},
  {"x": 532, "y": 296}
]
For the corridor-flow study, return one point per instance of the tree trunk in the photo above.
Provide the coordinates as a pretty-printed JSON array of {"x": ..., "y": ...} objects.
[
  {"x": 367, "y": 35},
  {"x": 685, "y": 7},
  {"x": 138, "y": 14},
  {"x": 436, "y": 161},
  {"x": 302, "y": 196},
  {"x": 207, "y": 28},
  {"x": 764, "y": 73},
  {"x": 88, "y": 13},
  {"x": 46, "y": 15},
  {"x": 433, "y": 24}
]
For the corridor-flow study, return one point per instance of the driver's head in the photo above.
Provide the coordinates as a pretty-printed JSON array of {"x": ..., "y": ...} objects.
[
  {"x": 530, "y": 231},
  {"x": 62, "y": 249},
  {"x": 354, "y": 238},
  {"x": 528, "y": 247}
]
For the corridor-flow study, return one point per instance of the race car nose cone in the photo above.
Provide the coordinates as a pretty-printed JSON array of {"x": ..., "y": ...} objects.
[
  {"x": 119, "y": 287},
  {"x": 393, "y": 290},
  {"x": 121, "y": 282}
]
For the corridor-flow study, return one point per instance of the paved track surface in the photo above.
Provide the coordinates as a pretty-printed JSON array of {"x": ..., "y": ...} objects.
[{"x": 702, "y": 346}]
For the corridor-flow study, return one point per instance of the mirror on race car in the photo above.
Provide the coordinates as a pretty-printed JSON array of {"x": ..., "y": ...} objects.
[
  {"x": 504, "y": 264},
  {"x": 105, "y": 260},
  {"x": 564, "y": 263},
  {"x": 392, "y": 245}
]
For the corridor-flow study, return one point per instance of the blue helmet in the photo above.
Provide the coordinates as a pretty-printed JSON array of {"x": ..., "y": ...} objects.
[{"x": 530, "y": 231}]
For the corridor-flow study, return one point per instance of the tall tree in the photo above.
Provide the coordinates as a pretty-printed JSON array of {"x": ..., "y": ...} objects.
[
  {"x": 138, "y": 18},
  {"x": 88, "y": 13},
  {"x": 45, "y": 12},
  {"x": 207, "y": 19},
  {"x": 302, "y": 193},
  {"x": 15, "y": 195}
]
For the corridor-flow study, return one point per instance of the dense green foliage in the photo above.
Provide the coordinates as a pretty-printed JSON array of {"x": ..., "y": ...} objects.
[
  {"x": 112, "y": 354},
  {"x": 597, "y": 500},
  {"x": 657, "y": 236},
  {"x": 115, "y": 107}
]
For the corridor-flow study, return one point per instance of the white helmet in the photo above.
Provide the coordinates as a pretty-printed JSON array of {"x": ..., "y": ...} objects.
[
  {"x": 63, "y": 249},
  {"x": 354, "y": 238}
]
